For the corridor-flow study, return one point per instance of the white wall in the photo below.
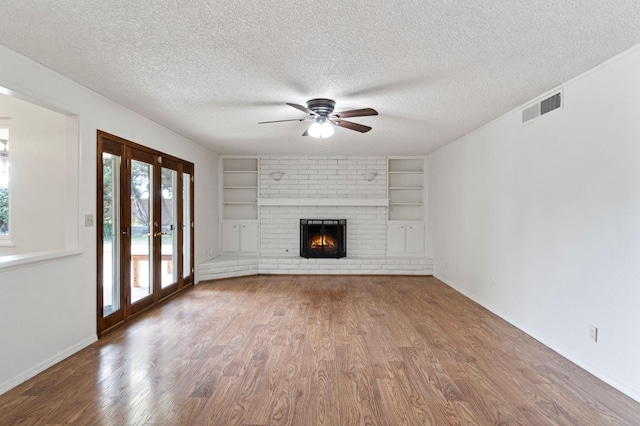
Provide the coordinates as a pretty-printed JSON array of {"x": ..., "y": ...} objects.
[
  {"x": 550, "y": 212},
  {"x": 48, "y": 309}
]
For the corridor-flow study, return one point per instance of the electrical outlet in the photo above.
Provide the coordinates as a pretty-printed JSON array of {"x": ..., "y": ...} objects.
[
  {"x": 88, "y": 220},
  {"x": 593, "y": 333},
  {"x": 493, "y": 281}
]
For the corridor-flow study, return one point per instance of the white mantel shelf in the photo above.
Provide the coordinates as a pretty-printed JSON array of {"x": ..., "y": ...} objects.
[{"x": 358, "y": 202}]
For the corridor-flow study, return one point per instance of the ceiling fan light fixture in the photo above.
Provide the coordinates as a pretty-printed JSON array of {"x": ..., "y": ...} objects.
[
  {"x": 322, "y": 130},
  {"x": 320, "y": 112}
]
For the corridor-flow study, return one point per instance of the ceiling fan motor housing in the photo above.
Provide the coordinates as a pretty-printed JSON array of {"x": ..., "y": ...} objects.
[{"x": 322, "y": 107}]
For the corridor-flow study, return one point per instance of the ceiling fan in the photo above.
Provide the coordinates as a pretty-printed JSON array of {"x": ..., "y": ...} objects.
[{"x": 320, "y": 111}]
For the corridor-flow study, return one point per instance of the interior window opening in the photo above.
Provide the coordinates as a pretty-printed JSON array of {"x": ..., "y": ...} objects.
[{"x": 4, "y": 182}]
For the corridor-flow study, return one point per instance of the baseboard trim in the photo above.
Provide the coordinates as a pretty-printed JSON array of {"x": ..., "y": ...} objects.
[
  {"x": 630, "y": 392},
  {"x": 23, "y": 377}
]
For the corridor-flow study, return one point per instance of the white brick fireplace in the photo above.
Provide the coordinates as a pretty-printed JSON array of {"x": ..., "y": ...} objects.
[
  {"x": 291, "y": 188},
  {"x": 322, "y": 179}
]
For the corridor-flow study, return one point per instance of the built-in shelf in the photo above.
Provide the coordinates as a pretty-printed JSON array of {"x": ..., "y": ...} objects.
[
  {"x": 406, "y": 188},
  {"x": 240, "y": 188}
]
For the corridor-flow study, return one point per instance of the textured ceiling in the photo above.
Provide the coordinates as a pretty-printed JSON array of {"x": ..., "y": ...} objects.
[{"x": 210, "y": 70}]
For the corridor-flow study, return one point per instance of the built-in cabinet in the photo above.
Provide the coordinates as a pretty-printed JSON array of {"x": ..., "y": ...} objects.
[
  {"x": 405, "y": 237},
  {"x": 239, "y": 237},
  {"x": 239, "y": 208},
  {"x": 406, "y": 226}
]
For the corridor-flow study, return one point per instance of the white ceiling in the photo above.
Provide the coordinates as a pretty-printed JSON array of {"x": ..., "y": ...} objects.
[{"x": 211, "y": 70}]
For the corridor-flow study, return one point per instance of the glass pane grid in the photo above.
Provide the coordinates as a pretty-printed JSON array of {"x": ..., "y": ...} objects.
[
  {"x": 110, "y": 234},
  {"x": 169, "y": 247},
  {"x": 141, "y": 230}
]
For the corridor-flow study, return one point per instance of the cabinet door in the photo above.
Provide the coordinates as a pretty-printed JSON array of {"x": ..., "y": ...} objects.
[
  {"x": 230, "y": 237},
  {"x": 249, "y": 237},
  {"x": 415, "y": 237},
  {"x": 396, "y": 237}
]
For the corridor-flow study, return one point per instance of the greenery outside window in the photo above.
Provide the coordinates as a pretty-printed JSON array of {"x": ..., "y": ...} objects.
[{"x": 4, "y": 181}]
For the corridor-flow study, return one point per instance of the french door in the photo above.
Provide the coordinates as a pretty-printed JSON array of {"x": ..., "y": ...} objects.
[{"x": 145, "y": 228}]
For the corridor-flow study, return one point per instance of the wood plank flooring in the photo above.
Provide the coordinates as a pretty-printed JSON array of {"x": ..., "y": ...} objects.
[{"x": 317, "y": 350}]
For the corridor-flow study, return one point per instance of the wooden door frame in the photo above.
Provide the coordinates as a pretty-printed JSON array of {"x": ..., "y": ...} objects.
[
  {"x": 124, "y": 147},
  {"x": 125, "y": 262}
]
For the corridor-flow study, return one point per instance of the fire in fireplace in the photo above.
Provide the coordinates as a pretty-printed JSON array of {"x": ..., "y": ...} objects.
[{"x": 323, "y": 238}]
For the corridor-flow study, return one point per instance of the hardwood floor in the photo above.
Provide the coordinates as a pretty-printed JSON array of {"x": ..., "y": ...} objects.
[{"x": 307, "y": 350}]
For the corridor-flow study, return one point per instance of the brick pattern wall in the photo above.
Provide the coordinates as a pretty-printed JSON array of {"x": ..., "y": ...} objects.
[
  {"x": 280, "y": 229},
  {"x": 346, "y": 266},
  {"x": 237, "y": 267},
  {"x": 309, "y": 177},
  {"x": 323, "y": 177}
]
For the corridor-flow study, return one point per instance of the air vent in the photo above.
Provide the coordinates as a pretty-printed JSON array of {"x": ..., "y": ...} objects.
[
  {"x": 542, "y": 107},
  {"x": 530, "y": 113},
  {"x": 549, "y": 104}
]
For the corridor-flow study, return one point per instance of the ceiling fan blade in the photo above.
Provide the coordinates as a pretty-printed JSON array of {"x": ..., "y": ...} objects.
[
  {"x": 306, "y": 132},
  {"x": 356, "y": 113},
  {"x": 282, "y": 121},
  {"x": 352, "y": 126},
  {"x": 302, "y": 108}
]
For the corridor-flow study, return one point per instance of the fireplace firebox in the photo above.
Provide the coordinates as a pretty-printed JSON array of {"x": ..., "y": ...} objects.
[{"x": 323, "y": 238}]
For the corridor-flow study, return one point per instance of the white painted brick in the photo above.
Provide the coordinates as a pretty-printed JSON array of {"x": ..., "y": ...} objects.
[
  {"x": 290, "y": 162},
  {"x": 323, "y": 177}
]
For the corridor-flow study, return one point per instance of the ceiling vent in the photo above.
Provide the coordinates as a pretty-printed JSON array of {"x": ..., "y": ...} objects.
[{"x": 540, "y": 108}]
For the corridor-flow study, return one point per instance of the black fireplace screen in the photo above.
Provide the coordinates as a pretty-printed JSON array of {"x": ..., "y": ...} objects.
[{"x": 323, "y": 238}]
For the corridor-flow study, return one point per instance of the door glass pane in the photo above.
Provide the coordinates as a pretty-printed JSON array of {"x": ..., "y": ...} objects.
[
  {"x": 141, "y": 230},
  {"x": 168, "y": 267},
  {"x": 111, "y": 233},
  {"x": 186, "y": 225}
]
